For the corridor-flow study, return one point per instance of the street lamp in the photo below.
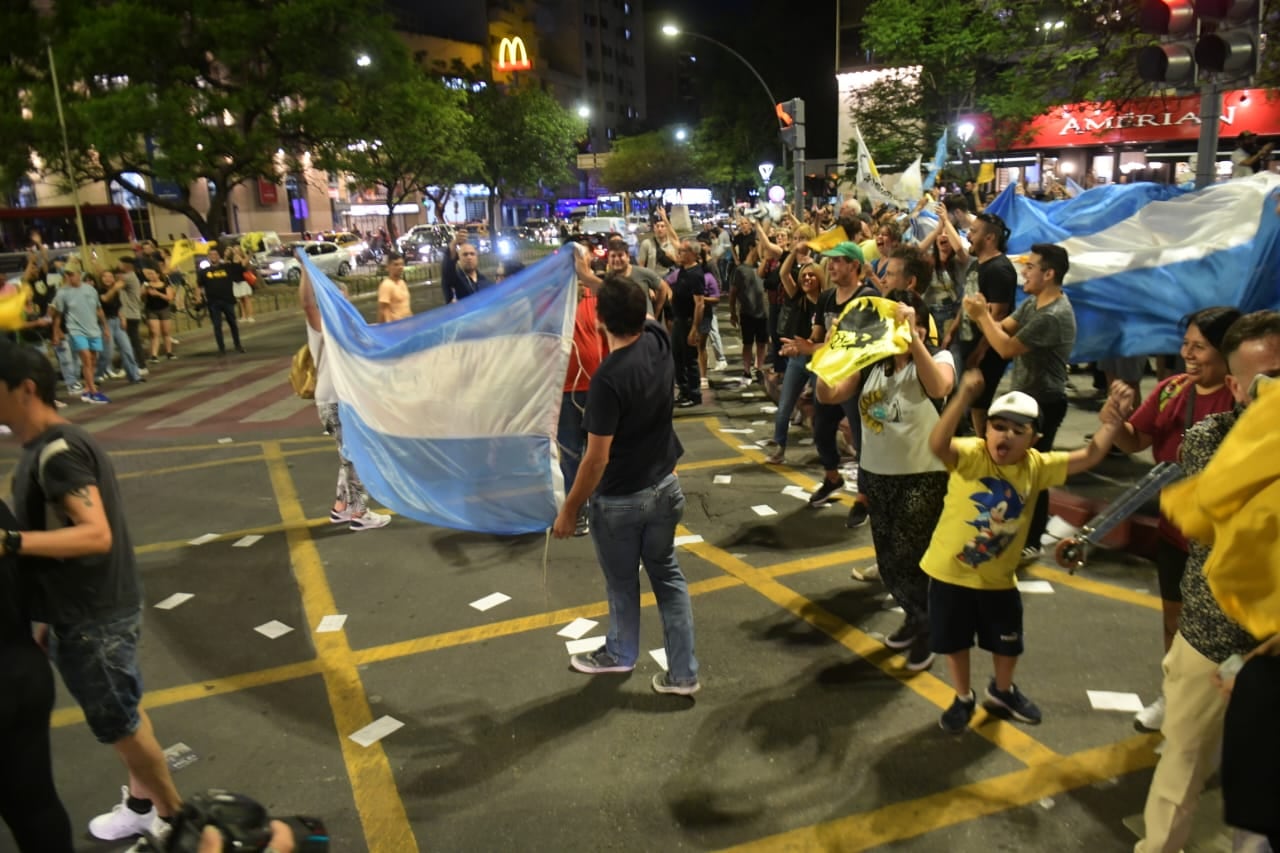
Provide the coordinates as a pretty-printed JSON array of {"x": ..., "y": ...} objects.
[
  {"x": 584, "y": 111},
  {"x": 364, "y": 60},
  {"x": 681, "y": 134},
  {"x": 965, "y": 131}
]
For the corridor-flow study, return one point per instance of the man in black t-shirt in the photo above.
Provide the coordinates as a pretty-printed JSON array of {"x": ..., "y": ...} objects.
[
  {"x": 628, "y": 471},
  {"x": 688, "y": 294},
  {"x": 216, "y": 282},
  {"x": 80, "y": 582}
]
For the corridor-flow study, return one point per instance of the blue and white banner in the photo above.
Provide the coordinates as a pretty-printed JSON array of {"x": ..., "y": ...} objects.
[
  {"x": 939, "y": 161},
  {"x": 450, "y": 416},
  {"x": 1145, "y": 255}
]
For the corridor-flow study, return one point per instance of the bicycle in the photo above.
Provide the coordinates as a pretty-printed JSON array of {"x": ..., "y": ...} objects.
[{"x": 192, "y": 303}]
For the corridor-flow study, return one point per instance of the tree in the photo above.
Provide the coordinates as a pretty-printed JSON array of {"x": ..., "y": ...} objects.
[
  {"x": 729, "y": 145},
  {"x": 649, "y": 162},
  {"x": 890, "y": 115},
  {"x": 191, "y": 90},
  {"x": 416, "y": 132},
  {"x": 523, "y": 138}
]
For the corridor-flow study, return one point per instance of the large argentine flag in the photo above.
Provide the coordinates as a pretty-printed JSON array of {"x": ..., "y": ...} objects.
[
  {"x": 450, "y": 416},
  {"x": 1143, "y": 256}
]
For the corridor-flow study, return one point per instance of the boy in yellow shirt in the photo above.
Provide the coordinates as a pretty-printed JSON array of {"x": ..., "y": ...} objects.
[{"x": 973, "y": 558}]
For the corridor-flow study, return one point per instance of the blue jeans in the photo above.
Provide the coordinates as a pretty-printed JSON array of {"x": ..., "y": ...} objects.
[
  {"x": 98, "y": 660},
  {"x": 117, "y": 339},
  {"x": 68, "y": 362},
  {"x": 571, "y": 437},
  {"x": 640, "y": 528},
  {"x": 793, "y": 382}
]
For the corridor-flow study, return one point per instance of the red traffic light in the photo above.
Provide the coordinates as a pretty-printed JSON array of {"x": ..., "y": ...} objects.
[{"x": 1168, "y": 17}]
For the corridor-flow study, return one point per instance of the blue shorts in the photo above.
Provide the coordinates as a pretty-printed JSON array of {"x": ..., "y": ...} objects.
[
  {"x": 80, "y": 342},
  {"x": 959, "y": 613},
  {"x": 98, "y": 661}
]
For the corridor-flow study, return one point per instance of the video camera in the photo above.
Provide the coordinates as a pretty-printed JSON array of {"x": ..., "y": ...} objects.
[{"x": 245, "y": 826}]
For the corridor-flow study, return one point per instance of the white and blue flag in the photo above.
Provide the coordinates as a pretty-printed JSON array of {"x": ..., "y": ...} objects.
[
  {"x": 939, "y": 161},
  {"x": 450, "y": 416},
  {"x": 1145, "y": 255}
]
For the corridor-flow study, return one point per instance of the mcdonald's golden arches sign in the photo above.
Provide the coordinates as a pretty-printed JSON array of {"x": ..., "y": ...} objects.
[{"x": 513, "y": 55}]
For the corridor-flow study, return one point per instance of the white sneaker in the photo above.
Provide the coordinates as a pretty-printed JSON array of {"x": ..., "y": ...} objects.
[
  {"x": 160, "y": 831},
  {"x": 1151, "y": 718},
  {"x": 721, "y": 365},
  {"x": 370, "y": 520},
  {"x": 121, "y": 821},
  {"x": 865, "y": 573}
]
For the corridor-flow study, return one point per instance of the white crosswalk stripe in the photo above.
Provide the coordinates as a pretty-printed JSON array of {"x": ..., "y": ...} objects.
[{"x": 186, "y": 383}]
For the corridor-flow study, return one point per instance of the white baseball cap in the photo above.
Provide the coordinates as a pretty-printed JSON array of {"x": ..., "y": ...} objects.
[{"x": 1017, "y": 407}]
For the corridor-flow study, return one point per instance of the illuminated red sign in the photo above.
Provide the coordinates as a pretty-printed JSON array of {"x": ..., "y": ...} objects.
[{"x": 267, "y": 192}]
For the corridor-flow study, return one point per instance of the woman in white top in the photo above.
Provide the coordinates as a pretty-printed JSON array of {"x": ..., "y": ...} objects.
[{"x": 896, "y": 400}]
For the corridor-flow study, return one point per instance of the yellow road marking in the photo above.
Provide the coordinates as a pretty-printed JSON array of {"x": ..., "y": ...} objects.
[
  {"x": 1004, "y": 735},
  {"x": 914, "y": 818},
  {"x": 194, "y": 466},
  {"x": 1106, "y": 590},
  {"x": 187, "y": 448},
  {"x": 711, "y": 463},
  {"x": 373, "y": 785},
  {"x": 203, "y": 689},
  {"x": 821, "y": 561}
]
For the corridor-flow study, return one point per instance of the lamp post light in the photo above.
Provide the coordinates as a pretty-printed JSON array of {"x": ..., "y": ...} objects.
[
  {"x": 364, "y": 60},
  {"x": 584, "y": 111},
  {"x": 681, "y": 134}
]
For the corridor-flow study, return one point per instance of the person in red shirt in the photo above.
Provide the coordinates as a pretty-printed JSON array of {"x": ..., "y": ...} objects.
[
  {"x": 1159, "y": 423},
  {"x": 588, "y": 352}
]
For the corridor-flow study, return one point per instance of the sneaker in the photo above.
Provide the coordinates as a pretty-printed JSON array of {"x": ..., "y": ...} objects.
[
  {"x": 1151, "y": 718},
  {"x": 824, "y": 492},
  {"x": 1030, "y": 554},
  {"x": 906, "y": 634},
  {"x": 155, "y": 359},
  {"x": 252, "y": 320},
  {"x": 138, "y": 381},
  {"x": 59, "y": 404},
  {"x": 859, "y": 514},
  {"x": 121, "y": 821},
  {"x": 778, "y": 456},
  {"x": 75, "y": 387},
  {"x": 583, "y": 527},
  {"x": 142, "y": 371},
  {"x": 662, "y": 683},
  {"x": 116, "y": 374},
  {"x": 865, "y": 573},
  {"x": 1011, "y": 703},
  {"x": 339, "y": 516},
  {"x": 919, "y": 656},
  {"x": 598, "y": 661},
  {"x": 99, "y": 397},
  {"x": 171, "y": 356},
  {"x": 704, "y": 383},
  {"x": 87, "y": 397},
  {"x": 240, "y": 349},
  {"x": 956, "y": 718},
  {"x": 721, "y": 365},
  {"x": 687, "y": 403},
  {"x": 369, "y": 520}
]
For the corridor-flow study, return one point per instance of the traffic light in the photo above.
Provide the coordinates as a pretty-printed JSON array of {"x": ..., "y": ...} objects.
[
  {"x": 791, "y": 122},
  {"x": 1199, "y": 37}
]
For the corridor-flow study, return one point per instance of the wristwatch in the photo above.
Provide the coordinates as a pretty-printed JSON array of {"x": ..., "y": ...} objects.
[{"x": 12, "y": 542}]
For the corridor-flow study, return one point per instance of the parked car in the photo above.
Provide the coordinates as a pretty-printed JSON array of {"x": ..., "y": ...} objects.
[
  {"x": 424, "y": 243},
  {"x": 329, "y": 258},
  {"x": 353, "y": 243}
]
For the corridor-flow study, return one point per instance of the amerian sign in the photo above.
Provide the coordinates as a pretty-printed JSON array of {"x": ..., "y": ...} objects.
[
  {"x": 1152, "y": 120},
  {"x": 513, "y": 55}
]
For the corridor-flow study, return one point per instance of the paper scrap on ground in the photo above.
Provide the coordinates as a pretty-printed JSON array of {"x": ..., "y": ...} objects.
[
  {"x": 376, "y": 731},
  {"x": 764, "y": 509},
  {"x": 769, "y": 410},
  {"x": 722, "y": 479},
  {"x": 749, "y": 395},
  {"x": 692, "y": 539},
  {"x": 738, "y": 431},
  {"x": 224, "y": 441},
  {"x": 660, "y": 655},
  {"x": 490, "y": 601},
  {"x": 747, "y": 447},
  {"x": 246, "y": 541},
  {"x": 273, "y": 629},
  {"x": 203, "y": 540},
  {"x": 1035, "y": 586},
  {"x": 796, "y": 492},
  {"x": 331, "y": 623},
  {"x": 584, "y": 645},
  {"x": 174, "y": 600},
  {"x": 1109, "y": 700},
  {"x": 805, "y": 442},
  {"x": 758, "y": 423},
  {"x": 575, "y": 629},
  {"x": 179, "y": 756}
]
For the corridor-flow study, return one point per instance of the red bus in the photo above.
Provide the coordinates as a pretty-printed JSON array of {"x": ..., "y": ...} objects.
[{"x": 103, "y": 224}]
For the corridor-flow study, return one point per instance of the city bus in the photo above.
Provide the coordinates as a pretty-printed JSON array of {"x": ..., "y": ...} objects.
[{"x": 104, "y": 224}]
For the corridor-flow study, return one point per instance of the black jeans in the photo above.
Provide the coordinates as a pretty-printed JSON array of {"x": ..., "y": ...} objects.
[
  {"x": 218, "y": 310},
  {"x": 826, "y": 424},
  {"x": 1052, "y": 412},
  {"x": 688, "y": 378},
  {"x": 133, "y": 328},
  {"x": 29, "y": 803}
]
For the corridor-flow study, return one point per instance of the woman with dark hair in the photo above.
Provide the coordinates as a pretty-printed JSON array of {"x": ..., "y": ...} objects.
[
  {"x": 896, "y": 399},
  {"x": 950, "y": 260},
  {"x": 1159, "y": 423},
  {"x": 797, "y": 319}
]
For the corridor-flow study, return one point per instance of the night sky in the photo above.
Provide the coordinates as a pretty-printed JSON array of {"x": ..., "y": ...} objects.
[{"x": 792, "y": 45}]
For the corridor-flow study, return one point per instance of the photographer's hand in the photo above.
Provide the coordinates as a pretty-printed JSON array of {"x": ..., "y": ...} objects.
[{"x": 282, "y": 840}]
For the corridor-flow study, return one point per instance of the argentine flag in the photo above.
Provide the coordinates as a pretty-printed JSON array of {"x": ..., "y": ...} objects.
[
  {"x": 1145, "y": 255},
  {"x": 450, "y": 416}
]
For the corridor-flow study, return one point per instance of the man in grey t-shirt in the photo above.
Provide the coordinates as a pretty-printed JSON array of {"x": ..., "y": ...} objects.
[
  {"x": 1038, "y": 336},
  {"x": 77, "y": 304}
]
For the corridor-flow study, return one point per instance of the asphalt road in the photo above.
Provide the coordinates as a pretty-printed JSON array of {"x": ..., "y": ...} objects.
[{"x": 807, "y": 734}]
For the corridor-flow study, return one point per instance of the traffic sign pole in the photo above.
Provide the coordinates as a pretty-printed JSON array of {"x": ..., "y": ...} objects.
[{"x": 1207, "y": 151}]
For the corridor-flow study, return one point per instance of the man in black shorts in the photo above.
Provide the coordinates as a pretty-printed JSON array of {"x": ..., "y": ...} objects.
[
  {"x": 991, "y": 274},
  {"x": 749, "y": 311},
  {"x": 80, "y": 583}
]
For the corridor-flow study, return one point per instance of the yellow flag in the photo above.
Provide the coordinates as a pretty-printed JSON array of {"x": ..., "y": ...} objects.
[
  {"x": 828, "y": 239},
  {"x": 986, "y": 173},
  {"x": 1234, "y": 505},
  {"x": 183, "y": 252},
  {"x": 864, "y": 333},
  {"x": 12, "y": 316}
]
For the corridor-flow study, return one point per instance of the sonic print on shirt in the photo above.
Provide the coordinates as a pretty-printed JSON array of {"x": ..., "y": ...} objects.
[{"x": 999, "y": 517}]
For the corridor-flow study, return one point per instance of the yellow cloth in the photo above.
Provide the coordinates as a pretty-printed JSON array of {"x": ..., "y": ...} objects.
[
  {"x": 184, "y": 252},
  {"x": 1234, "y": 505},
  {"x": 828, "y": 239},
  {"x": 870, "y": 251},
  {"x": 864, "y": 333},
  {"x": 12, "y": 316},
  {"x": 979, "y": 538},
  {"x": 986, "y": 173}
]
